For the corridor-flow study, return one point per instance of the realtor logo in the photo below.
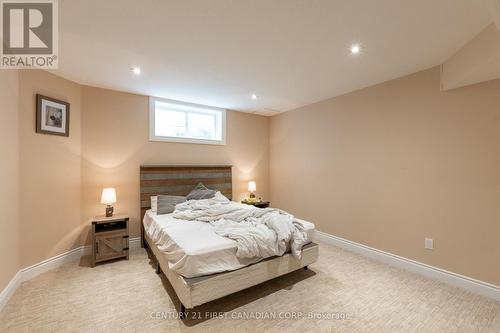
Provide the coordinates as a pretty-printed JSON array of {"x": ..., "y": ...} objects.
[{"x": 29, "y": 34}]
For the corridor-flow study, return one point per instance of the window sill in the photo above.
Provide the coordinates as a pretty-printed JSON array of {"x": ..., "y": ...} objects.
[{"x": 187, "y": 140}]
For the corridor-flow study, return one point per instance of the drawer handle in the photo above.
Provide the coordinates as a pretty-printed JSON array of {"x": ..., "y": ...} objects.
[
  {"x": 125, "y": 249},
  {"x": 125, "y": 236}
]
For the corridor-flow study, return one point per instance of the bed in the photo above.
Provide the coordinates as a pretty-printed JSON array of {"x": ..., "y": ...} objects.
[{"x": 200, "y": 265}]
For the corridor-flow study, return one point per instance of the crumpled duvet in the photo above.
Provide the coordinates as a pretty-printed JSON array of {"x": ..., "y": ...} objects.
[{"x": 258, "y": 232}]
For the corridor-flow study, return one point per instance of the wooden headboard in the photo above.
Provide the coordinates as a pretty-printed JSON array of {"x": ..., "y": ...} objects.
[{"x": 180, "y": 180}]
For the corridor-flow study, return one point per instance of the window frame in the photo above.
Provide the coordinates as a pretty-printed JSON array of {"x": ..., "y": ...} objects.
[{"x": 197, "y": 108}]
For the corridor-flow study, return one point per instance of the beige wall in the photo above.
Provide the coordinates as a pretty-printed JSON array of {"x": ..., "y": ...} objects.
[
  {"x": 9, "y": 152},
  {"x": 49, "y": 172},
  {"x": 116, "y": 142},
  {"x": 391, "y": 164}
]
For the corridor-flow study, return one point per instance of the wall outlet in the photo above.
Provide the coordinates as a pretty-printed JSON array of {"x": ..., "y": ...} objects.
[{"x": 429, "y": 244}]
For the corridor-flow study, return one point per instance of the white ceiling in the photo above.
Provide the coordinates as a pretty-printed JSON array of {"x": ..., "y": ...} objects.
[{"x": 289, "y": 52}]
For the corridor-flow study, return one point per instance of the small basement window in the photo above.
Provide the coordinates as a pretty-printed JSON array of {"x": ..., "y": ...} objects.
[{"x": 174, "y": 121}]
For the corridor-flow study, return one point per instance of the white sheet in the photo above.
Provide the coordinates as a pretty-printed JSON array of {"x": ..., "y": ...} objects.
[
  {"x": 192, "y": 248},
  {"x": 258, "y": 232}
]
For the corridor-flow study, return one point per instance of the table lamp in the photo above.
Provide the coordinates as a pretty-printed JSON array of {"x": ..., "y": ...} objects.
[
  {"x": 252, "y": 187},
  {"x": 108, "y": 198}
]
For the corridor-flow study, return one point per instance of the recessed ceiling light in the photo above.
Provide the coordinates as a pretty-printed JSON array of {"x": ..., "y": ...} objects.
[
  {"x": 136, "y": 70},
  {"x": 355, "y": 49},
  {"x": 254, "y": 96}
]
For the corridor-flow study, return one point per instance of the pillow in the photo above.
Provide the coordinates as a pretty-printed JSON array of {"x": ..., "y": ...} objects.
[
  {"x": 200, "y": 192},
  {"x": 166, "y": 203},
  {"x": 220, "y": 197},
  {"x": 154, "y": 203}
]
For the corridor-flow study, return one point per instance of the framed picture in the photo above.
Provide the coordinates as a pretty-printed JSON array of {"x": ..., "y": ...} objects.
[{"x": 52, "y": 116}]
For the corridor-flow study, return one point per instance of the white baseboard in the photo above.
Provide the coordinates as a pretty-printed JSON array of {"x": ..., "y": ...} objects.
[
  {"x": 134, "y": 243},
  {"x": 476, "y": 286},
  {"x": 51, "y": 263},
  {"x": 9, "y": 289},
  {"x": 30, "y": 272}
]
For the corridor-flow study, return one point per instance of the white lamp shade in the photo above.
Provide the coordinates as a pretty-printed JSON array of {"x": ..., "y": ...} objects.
[
  {"x": 252, "y": 187},
  {"x": 108, "y": 196}
]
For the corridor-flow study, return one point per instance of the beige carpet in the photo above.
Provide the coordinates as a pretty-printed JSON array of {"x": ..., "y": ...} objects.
[{"x": 349, "y": 292}]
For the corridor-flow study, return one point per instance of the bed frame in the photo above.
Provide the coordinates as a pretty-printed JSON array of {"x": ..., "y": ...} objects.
[{"x": 180, "y": 180}]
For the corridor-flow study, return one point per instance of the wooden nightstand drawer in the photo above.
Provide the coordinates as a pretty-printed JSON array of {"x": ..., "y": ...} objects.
[{"x": 110, "y": 238}]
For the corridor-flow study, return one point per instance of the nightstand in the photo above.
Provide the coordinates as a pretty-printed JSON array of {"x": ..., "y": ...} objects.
[
  {"x": 258, "y": 204},
  {"x": 109, "y": 238}
]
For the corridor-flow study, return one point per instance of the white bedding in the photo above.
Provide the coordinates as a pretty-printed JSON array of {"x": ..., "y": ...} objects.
[
  {"x": 258, "y": 232},
  {"x": 193, "y": 248}
]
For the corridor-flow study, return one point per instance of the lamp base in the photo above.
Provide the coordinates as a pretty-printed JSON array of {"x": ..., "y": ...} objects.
[
  {"x": 109, "y": 211},
  {"x": 251, "y": 200}
]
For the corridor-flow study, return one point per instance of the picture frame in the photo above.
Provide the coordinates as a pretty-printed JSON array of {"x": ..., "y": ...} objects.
[{"x": 52, "y": 116}]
